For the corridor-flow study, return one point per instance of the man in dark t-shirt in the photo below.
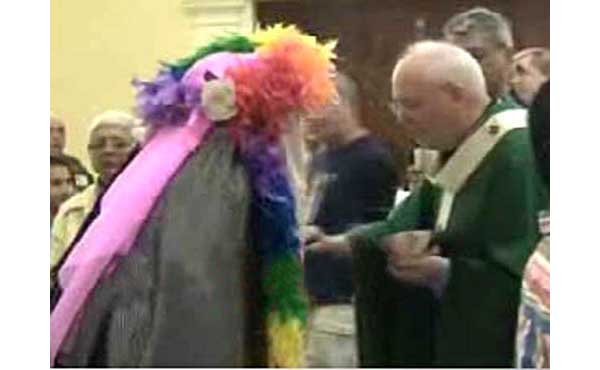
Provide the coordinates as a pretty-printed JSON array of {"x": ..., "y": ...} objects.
[{"x": 353, "y": 181}]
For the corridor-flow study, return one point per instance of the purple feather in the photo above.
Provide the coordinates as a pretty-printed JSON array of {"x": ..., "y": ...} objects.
[
  {"x": 165, "y": 101},
  {"x": 265, "y": 161}
]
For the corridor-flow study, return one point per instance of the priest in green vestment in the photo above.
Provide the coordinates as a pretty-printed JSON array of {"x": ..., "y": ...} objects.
[{"x": 451, "y": 300}]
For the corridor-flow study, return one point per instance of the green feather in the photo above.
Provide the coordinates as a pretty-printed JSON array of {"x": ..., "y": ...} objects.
[
  {"x": 283, "y": 286},
  {"x": 234, "y": 43}
]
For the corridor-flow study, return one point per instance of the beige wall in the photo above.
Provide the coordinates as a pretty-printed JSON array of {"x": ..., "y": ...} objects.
[{"x": 97, "y": 46}]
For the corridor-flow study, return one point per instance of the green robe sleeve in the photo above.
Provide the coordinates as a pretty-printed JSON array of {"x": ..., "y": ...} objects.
[
  {"x": 415, "y": 212},
  {"x": 381, "y": 309}
]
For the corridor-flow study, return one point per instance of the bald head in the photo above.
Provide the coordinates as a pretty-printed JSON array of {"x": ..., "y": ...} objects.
[
  {"x": 539, "y": 57},
  {"x": 439, "y": 90},
  {"x": 530, "y": 69},
  {"x": 441, "y": 63}
]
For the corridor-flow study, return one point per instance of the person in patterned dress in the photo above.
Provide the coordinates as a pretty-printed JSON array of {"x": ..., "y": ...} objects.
[{"x": 533, "y": 331}]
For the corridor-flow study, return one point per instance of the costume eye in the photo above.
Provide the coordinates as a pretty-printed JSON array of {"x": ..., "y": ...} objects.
[{"x": 209, "y": 76}]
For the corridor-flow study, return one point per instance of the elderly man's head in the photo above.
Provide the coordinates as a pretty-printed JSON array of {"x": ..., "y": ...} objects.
[
  {"x": 530, "y": 69},
  {"x": 438, "y": 92},
  {"x": 111, "y": 141},
  {"x": 57, "y": 135},
  {"x": 487, "y": 36}
]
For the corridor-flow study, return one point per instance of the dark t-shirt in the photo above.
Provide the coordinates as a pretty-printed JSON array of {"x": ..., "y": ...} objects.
[{"x": 358, "y": 183}]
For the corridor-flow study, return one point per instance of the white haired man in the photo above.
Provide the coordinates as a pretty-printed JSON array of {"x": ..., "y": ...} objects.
[
  {"x": 110, "y": 144},
  {"x": 448, "y": 295}
]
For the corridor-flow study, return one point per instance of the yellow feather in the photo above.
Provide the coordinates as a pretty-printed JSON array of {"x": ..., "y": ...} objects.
[
  {"x": 270, "y": 36},
  {"x": 286, "y": 342}
]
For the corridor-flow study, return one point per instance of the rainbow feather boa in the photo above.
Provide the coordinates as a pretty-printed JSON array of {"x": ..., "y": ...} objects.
[
  {"x": 291, "y": 73},
  {"x": 275, "y": 72},
  {"x": 275, "y": 229}
]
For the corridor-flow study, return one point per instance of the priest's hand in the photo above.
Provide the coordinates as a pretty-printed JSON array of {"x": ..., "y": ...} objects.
[
  {"x": 427, "y": 270},
  {"x": 407, "y": 244},
  {"x": 310, "y": 234},
  {"x": 338, "y": 244}
]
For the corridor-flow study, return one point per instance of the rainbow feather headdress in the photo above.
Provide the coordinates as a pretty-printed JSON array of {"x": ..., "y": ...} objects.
[{"x": 252, "y": 85}]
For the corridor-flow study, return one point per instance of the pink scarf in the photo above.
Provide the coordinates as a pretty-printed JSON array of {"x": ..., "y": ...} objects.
[{"x": 124, "y": 209}]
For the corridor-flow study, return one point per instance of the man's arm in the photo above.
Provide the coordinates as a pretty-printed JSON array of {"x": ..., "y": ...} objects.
[
  {"x": 415, "y": 212},
  {"x": 382, "y": 315}
]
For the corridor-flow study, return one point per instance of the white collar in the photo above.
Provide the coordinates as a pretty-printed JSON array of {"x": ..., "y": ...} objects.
[{"x": 471, "y": 153}]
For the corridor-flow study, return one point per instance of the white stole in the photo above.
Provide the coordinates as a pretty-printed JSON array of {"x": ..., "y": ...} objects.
[{"x": 468, "y": 157}]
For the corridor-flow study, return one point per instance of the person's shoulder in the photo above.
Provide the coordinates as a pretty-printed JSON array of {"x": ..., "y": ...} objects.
[
  {"x": 514, "y": 149},
  {"x": 511, "y": 125},
  {"x": 78, "y": 202}
]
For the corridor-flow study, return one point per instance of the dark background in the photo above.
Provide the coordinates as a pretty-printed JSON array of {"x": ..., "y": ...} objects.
[{"x": 371, "y": 34}]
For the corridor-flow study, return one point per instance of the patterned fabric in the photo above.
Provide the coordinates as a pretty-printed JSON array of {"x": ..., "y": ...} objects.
[{"x": 533, "y": 332}]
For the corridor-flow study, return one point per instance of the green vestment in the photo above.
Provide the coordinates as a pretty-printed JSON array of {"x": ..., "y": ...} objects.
[{"x": 488, "y": 232}]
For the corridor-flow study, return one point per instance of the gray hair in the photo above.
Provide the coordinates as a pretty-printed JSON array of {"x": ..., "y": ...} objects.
[{"x": 480, "y": 19}]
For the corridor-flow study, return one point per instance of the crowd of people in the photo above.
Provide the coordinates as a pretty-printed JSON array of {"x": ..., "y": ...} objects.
[{"x": 245, "y": 238}]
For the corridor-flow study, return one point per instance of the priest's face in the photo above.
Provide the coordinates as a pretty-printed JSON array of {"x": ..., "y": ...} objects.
[{"x": 423, "y": 109}]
